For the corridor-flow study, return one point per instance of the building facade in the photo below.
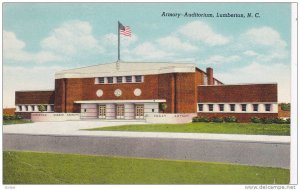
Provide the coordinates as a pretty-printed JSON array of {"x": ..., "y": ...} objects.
[{"x": 124, "y": 90}]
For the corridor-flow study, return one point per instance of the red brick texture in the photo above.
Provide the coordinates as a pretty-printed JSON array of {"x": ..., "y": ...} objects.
[
  {"x": 178, "y": 89},
  {"x": 34, "y": 97},
  {"x": 238, "y": 93},
  {"x": 9, "y": 111},
  {"x": 282, "y": 113},
  {"x": 241, "y": 117}
]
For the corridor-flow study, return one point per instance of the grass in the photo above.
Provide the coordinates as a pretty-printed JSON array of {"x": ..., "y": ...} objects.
[
  {"x": 52, "y": 168},
  {"x": 199, "y": 127},
  {"x": 16, "y": 121}
]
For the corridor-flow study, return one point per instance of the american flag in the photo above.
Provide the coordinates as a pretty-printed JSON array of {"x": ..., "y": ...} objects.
[{"x": 124, "y": 30}]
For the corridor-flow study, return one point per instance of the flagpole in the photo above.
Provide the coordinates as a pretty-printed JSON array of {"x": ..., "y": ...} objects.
[{"x": 118, "y": 41}]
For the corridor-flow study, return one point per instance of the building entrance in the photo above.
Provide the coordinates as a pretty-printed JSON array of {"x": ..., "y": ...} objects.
[
  {"x": 102, "y": 112},
  {"x": 139, "y": 111},
  {"x": 120, "y": 111}
]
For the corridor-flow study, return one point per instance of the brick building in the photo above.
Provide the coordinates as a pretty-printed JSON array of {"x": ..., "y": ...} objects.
[{"x": 130, "y": 90}]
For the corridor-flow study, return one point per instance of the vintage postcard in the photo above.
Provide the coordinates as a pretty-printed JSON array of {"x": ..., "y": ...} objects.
[{"x": 149, "y": 93}]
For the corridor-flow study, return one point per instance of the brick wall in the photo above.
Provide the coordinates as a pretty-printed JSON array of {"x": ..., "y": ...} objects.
[
  {"x": 238, "y": 93},
  {"x": 241, "y": 117},
  {"x": 9, "y": 111},
  {"x": 34, "y": 97}
]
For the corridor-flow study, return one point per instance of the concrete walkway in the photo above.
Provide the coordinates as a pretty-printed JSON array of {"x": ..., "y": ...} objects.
[{"x": 72, "y": 128}]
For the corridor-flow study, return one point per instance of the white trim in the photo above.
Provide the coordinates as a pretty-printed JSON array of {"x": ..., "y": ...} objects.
[
  {"x": 238, "y": 108},
  {"x": 118, "y": 101},
  {"x": 29, "y": 109}
]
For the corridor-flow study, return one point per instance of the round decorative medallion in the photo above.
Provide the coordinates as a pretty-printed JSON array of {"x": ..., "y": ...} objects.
[
  {"x": 118, "y": 92},
  {"x": 137, "y": 92},
  {"x": 99, "y": 93}
]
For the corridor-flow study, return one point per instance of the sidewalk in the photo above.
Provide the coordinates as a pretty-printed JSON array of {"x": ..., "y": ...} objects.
[{"x": 72, "y": 128}]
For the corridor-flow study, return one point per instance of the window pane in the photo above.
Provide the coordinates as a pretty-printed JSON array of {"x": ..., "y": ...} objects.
[
  {"x": 110, "y": 79},
  {"x": 268, "y": 107},
  {"x": 200, "y": 107},
  {"x": 210, "y": 107},
  {"x": 255, "y": 107},
  {"x": 128, "y": 78},
  {"x": 244, "y": 107},
  {"x": 232, "y": 107},
  {"x": 138, "y": 78},
  {"x": 221, "y": 107},
  {"x": 101, "y": 80},
  {"x": 119, "y": 79}
]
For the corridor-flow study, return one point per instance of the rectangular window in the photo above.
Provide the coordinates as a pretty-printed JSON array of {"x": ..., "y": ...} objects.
[
  {"x": 255, "y": 107},
  {"x": 128, "y": 78},
  {"x": 221, "y": 107},
  {"x": 101, "y": 80},
  {"x": 268, "y": 107},
  {"x": 26, "y": 108},
  {"x": 232, "y": 107},
  {"x": 200, "y": 107},
  {"x": 119, "y": 79},
  {"x": 110, "y": 80},
  {"x": 210, "y": 107},
  {"x": 138, "y": 78},
  {"x": 20, "y": 108},
  {"x": 52, "y": 108},
  {"x": 244, "y": 107}
]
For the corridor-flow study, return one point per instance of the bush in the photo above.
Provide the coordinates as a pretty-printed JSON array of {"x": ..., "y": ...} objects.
[
  {"x": 279, "y": 121},
  {"x": 11, "y": 117},
  {"x": 230, "y": 119},
  {"x": 288, "y": 121},
  {"x": 200, "y": 119},
  {"x": 285, "y": 107},
  {"x": 217, "y": 119},
  {"x": 268, "y": 120},
  {"x": 255, "y": 120}
]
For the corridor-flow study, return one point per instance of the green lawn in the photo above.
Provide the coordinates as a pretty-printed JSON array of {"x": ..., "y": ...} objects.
[
  {"x": 224, "y": 128},
  {"x": 18, "y": 121},
  {"x": 50, "y": 168}
]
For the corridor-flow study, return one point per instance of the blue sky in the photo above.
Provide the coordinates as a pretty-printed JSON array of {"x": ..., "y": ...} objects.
[{"x": 41, "y": 38}]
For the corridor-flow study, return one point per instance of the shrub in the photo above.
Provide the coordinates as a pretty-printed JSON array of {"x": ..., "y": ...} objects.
[
  {"x": 217, "y": 119},
  {"x": 42, "y": 108},
  {"x": 268, "y": 120},
  {"x": 279, "y": 121},
  {"x": 18, "y": 117},
  {"x": 200, "y": 119},
  {"x": 230, "y": 119},
  {"x": 255, "y": 120},
  {"x": 285, "y": 106},
  {"x": 288, "y": 121}
]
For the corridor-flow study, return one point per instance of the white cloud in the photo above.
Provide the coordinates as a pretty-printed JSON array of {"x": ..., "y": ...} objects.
[
  {"x": 265, "y": 36},
  {"x": 13, "y": 50},
  {"x": 260, "y": 73},
  {"x": 202, "y": 32},
  {"x": 219, "y": 59},
  {"x": 19, "y": 78},
  {"x": 174, "y": 43},
  {"x": 112, "y": 40},
  {"x": 72, "y": 38},
  {"x": 250, "y": 53},
  {"x": 146, "y": 51}
]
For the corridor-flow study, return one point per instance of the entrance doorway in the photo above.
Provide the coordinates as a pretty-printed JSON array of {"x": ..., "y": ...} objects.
[
  {"x": 139, "y": 111},
  {"x": 102, "y": 111},
  {"x": 120, "y": 111}
]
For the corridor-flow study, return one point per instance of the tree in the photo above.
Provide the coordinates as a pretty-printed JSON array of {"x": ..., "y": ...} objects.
[
  {"x": 42, "y": 108},
  {"x": 163, "y": 107}
]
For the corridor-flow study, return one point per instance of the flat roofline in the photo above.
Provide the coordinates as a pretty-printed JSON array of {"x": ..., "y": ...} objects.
[
  {"x": 241, "y": 84},
  {"x": 146, "y": 62}
]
